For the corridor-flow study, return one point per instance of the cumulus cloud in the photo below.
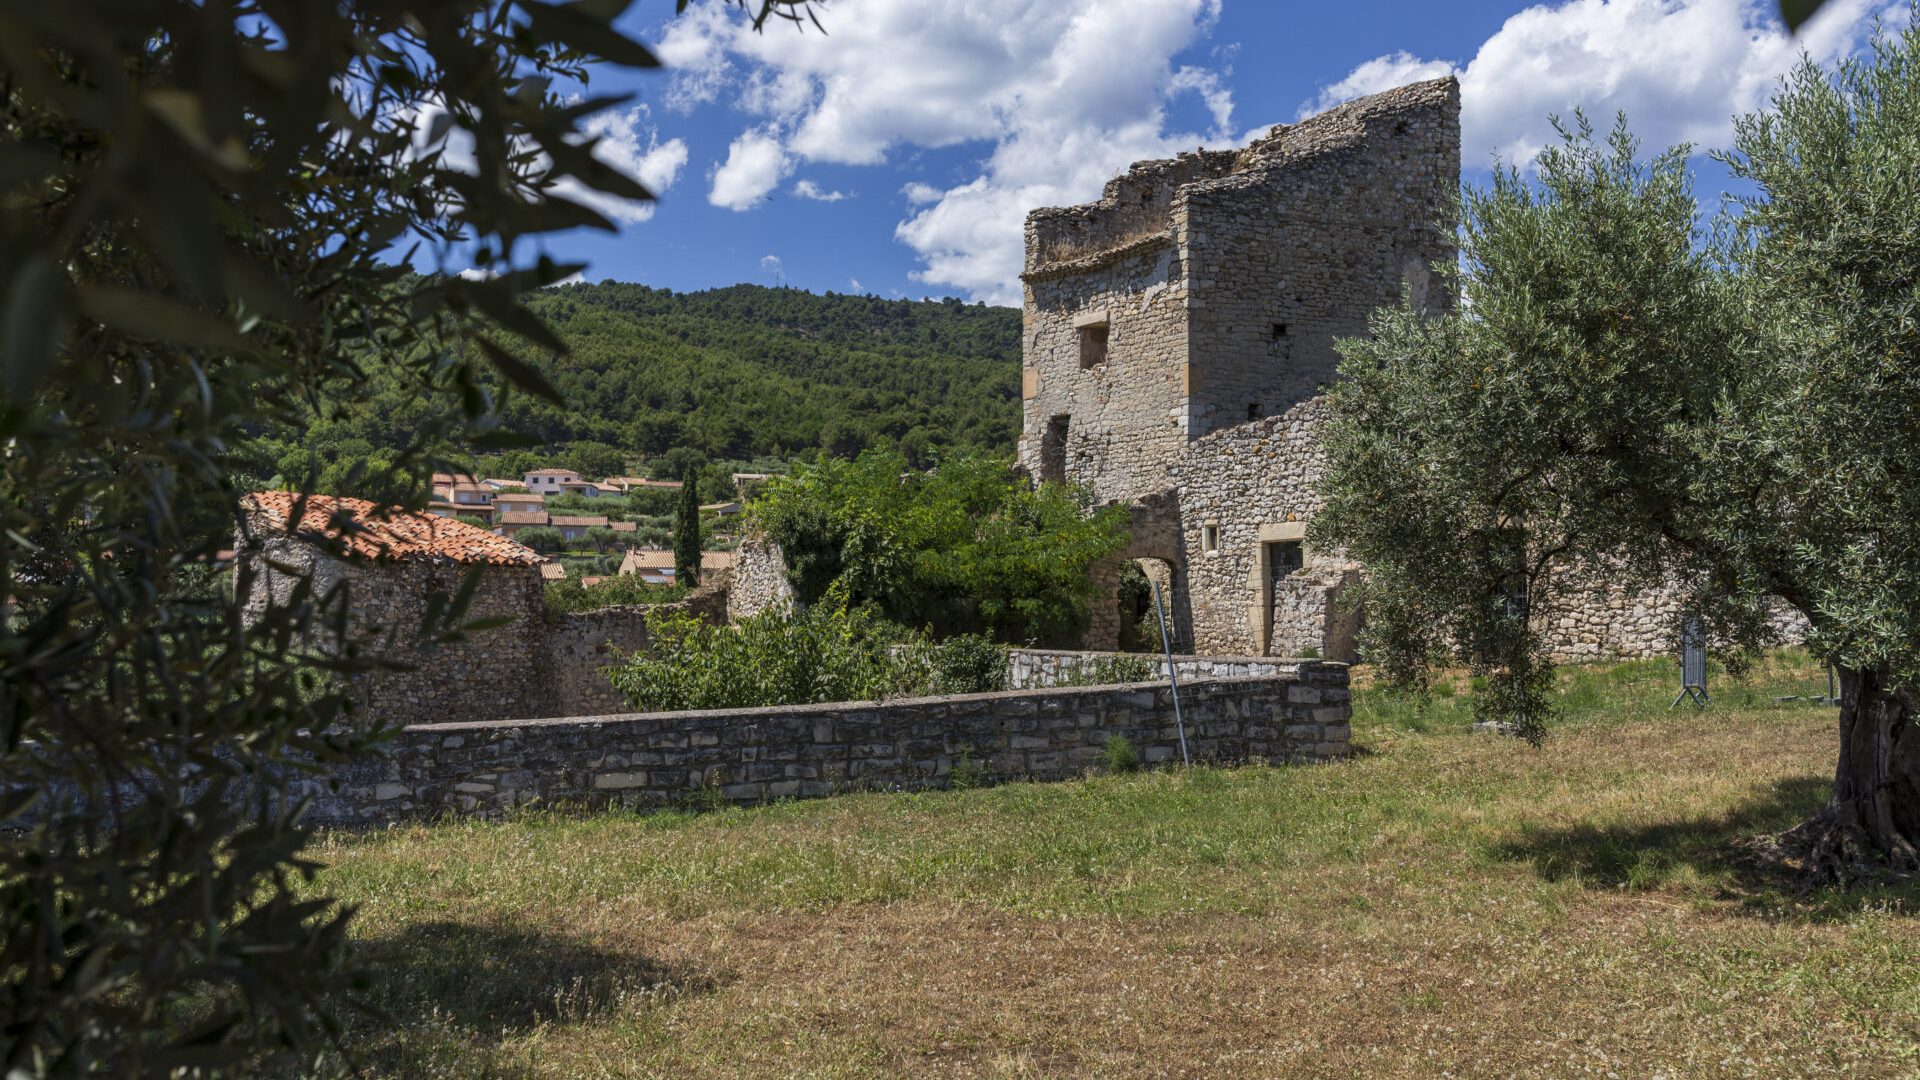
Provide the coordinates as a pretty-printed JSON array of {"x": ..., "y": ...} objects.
[
  {"x": 1066, "y": 92},
  {"x": 755, "y": 165},
  {"x": 1680, "y": 69},
  {"x": 632, "y": 145},
  {"x": 807, "y": 189}
]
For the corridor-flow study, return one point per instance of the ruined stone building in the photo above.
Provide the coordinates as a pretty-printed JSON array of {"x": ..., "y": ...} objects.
[
  {"x": 1178, "y": 331},
  {"x": 1177, "y": 335}
]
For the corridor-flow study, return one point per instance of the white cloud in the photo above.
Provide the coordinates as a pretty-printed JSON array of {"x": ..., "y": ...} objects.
[
  {"x": 807, "y": 189},
  {"x": 920, "y": 194},
  {"x": 477, "y": 273},
  {"x": 853, "y": 283},
  {"x": 1680, "y": 69},
  {"x": 633, "y": 146},
  {"x": 770, "y": 263},
  {"x": 755, "y": 165},
  {"x": 1067, "y": 92}
]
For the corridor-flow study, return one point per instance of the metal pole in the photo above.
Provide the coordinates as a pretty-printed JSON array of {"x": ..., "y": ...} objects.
[{"x": 1173, "y": 677}]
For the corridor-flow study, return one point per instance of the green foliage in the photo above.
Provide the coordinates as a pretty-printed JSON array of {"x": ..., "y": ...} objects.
[
  {"x": 966, "y": 774},
  {"x": 967, "y": 546},
  {"x": 1634, "y": 394},
  {"x": 686, "y": 537},
  {"x": 967, "y": 664},
  {"x": 197, "y": 212},
  {"x": 746, "y": 374},
  {"x": 1120, "y": 754},
  {"x": 540, "y": 538},
  {"x": 827, "y": 652},
  {"x": 1108, "y": 669},
  {"x": 615, "y": 591}
]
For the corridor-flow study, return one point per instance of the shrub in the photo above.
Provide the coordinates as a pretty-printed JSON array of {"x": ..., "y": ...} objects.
[
  {"x": 829, "y": 652},
  {"x": 1121, "y": 754},
  {"x": 967, "y": 547},
  {"x": 1107, "y": 670},
  {"x": 571, "y": 595},
  {"x": 540, "y": 538},
  {"x": 968, "y": 664}
]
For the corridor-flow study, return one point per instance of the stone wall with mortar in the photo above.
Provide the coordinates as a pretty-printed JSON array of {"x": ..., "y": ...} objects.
[
  {"x": 1192, "y": 266},
  {"x": 751, "y": 755},
  {"x": 758, "y": 580},
  {"x": 1029, "y": 669}
]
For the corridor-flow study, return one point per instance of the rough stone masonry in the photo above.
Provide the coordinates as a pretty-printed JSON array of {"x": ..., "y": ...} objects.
[{"x": 1178, "y": 334}]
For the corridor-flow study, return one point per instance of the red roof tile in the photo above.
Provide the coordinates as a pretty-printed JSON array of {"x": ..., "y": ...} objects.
[
  {"x": 367, "y": 530},
  {"x": 577, "y": 522},
  {"x": 535, "y": 518}
]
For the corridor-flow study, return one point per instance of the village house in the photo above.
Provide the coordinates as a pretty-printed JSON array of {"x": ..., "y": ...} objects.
[
  {"x": 575, "y": 526},
  {"x": 392, "y": 564},
  {"x": 510, "y": 522},
  {"x": 656, "y": 565},
  {"x": 549, "y": 481},
  {"x": 517, "y": 503}
]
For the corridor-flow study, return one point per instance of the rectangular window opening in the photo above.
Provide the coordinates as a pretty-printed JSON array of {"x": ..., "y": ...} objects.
[
  {"x": 1210, "y": 539},
  {"x": 1279, "y": 331},
  {"x": 1253, "y": 410},
  {"x": 1053, "y": 451},
  {"x": 1093, "y": 345}
]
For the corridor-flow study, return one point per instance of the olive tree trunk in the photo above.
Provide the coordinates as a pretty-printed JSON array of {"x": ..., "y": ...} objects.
[{"x": 1871, "y": 824}]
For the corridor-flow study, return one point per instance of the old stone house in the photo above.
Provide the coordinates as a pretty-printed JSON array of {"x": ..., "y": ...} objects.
[{"x": 391, "y": 563}]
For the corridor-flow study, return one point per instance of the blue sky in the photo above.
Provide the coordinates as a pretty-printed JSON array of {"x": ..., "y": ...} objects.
[{"x": 898, "y": 154}]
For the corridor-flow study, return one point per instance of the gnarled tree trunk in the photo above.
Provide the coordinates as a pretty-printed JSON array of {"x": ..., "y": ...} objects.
[{"x": 1871, "y": 824}]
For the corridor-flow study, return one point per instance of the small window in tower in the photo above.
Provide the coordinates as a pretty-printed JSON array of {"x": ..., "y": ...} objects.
[
  {"x": 1093, "y": 345},
  {"x": 1279, "y": 331},
  {"x": 1210, "y": 538},
  {"x": 1253, "y": 410}
]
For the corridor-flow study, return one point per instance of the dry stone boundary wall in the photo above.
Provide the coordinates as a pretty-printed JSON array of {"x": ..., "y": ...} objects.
[{"x": 1299, "y": 713}]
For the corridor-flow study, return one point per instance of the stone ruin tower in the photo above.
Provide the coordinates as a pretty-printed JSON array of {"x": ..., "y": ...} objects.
[
  {"x": 1206, "y": 291},
  {"x": 1178, "y": 332}
]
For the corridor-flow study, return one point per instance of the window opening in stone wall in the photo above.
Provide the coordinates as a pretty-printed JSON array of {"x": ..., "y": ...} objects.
[
  {"x": 1283, "y": 558},
  {"x": 1093, "y": 345},
  {"x": 1281, "y": 344},
  {"x": 1053, "y": 451},
  {"x": 1253, "y": 410},
  {"x": 1210, "y": 539},
  {"x": 1279, "y": 331}
]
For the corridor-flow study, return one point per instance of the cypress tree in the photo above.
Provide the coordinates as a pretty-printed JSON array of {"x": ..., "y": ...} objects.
[{"x": 686, "y": 533}]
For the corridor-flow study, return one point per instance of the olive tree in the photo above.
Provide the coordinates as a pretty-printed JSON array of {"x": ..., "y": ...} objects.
[
  {"x": 1646, "y": 397},
  {"x": 206, "y": 215}
]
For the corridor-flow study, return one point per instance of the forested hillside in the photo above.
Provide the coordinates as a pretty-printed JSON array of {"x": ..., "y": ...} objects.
[
  {"x": 742, "y": 374},
  {"x": 753, "y": 372}
]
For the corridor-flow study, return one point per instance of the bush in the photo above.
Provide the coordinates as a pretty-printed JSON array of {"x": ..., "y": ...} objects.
[
  {"x": 829, "y": 652},
  {"x": 967, "y": 547},
  {"x": 571, "y": 595},
  {"x": 540, "y": 538},
  {"x": 1108, "y": 670},
  {"x": 968, "y": 664},
  {"x": 1121, "y": 754}
]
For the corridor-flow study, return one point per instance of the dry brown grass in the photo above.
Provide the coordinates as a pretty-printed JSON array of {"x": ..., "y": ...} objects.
[{"x": 1449, "y": 904}]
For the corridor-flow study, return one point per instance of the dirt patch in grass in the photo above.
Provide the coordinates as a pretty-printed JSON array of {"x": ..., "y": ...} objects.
[{"x": 1454, "y": 903}]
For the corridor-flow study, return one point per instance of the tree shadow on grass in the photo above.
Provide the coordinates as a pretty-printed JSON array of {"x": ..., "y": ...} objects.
[
  {"x": 1645, "y": 857},
  {"x": 445, "y": 994}
]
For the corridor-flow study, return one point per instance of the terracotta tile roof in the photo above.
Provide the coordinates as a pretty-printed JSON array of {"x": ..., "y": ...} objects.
[
  {"x": 717, "y": 560},
  {"x": 536, "y": 518},
  {"x": 496, "y": 483},
  {"x": 470, "y": 488},
  {"x": 625, "y": 526},
  {"x": 590, "y": 582},
  {"x": 643, "y": 559},
  {"x": 580, "y": 522},
  {"x": 551, "y": 472},
  {"x": 553, "y": 571},
  {"x": 642, "y": 482},
  {"x": 442, "y": 479},
  {"x": 519, "y": 497},
  {"x": 373, "y": 532}
]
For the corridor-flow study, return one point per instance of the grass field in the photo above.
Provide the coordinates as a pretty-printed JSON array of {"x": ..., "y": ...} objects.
[{"x": 1447, "y": 903}]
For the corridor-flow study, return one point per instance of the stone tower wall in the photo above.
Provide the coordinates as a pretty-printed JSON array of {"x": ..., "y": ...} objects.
[
  {"x": 1321, "y": 224},
  {"x": 1190, "y": 264}
]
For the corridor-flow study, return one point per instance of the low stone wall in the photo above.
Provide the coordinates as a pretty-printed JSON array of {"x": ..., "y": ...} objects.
[
  {"x": 1034, "y": 668},
  {"x": 750, "y": 755}
]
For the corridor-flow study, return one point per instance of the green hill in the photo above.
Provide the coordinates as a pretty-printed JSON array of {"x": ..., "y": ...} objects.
[
  {"x": 751, "y": 372},
  {"x": 744, "y": 374}
]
